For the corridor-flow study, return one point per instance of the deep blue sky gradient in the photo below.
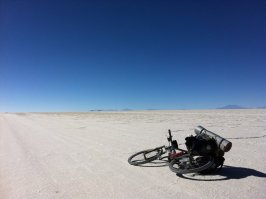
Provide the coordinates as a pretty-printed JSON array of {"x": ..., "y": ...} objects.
[{"x": 171, "y": 54}]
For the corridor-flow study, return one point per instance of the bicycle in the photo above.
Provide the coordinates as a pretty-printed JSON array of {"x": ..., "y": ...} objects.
[{"x": 180, "y": 161}]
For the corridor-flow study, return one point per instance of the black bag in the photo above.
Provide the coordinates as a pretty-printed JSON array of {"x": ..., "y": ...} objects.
[
  {"x": 217, "y": 166},
  {"x": 198, "y": 145}
]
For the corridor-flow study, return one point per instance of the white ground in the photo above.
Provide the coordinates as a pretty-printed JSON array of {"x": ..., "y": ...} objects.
[{"x": 84, "y": 155}]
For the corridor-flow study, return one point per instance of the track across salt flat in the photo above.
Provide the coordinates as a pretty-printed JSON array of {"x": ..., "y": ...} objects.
[{"x": 84, "y": 155}]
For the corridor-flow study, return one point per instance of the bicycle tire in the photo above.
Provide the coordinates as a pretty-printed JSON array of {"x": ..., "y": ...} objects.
[
  {"x": 185, "y": 166},
  {"x": 144, "y": 153}
]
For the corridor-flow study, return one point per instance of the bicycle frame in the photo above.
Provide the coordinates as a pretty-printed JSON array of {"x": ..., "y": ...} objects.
[{"x": 171, "y": 149}]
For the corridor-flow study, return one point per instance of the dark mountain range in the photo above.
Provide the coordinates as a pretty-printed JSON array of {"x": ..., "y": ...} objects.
[{"x": 232, "y": 107}]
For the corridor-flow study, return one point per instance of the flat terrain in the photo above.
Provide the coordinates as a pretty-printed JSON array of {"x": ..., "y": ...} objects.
[{"x": 84, "y": 155}]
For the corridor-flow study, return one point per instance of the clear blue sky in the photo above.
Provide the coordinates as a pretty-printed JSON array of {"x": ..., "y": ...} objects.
[{"x": 141, "y": 54}]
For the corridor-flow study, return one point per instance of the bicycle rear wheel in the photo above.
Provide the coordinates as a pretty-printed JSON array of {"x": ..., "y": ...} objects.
[
  {"x": 145, "y": 156},
  {"x": 190, "y": 164}
]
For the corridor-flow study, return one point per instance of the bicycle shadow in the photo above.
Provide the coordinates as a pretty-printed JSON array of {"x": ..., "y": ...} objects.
[{"x": 227, "y": 173}]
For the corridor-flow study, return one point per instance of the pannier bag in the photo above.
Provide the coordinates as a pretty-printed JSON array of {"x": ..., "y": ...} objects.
[{"x": 199, "y": 145}]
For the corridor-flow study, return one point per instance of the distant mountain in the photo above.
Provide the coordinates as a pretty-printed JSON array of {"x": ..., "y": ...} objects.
[
  {"x": 232, "y": 107},
  {"x": 109, "y": 110},
  {"x": 126, "y": 109},
  {"x": 100, "y": 110}
]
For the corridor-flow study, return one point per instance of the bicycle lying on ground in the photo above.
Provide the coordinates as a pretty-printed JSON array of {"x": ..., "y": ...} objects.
[{"x": 204, "y": 153}]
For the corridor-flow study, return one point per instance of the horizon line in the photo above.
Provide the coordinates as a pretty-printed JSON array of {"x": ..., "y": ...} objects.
[{"x": 129, "y": 110}]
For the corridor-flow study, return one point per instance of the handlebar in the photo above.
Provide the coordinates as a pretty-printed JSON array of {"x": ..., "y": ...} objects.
[{"x": 170, "y": 136}]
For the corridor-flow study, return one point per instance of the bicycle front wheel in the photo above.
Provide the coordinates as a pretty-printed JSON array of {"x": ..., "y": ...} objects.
[
  {"x": 145, "y": 156},
  {"x": 190, "y": 164}
]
